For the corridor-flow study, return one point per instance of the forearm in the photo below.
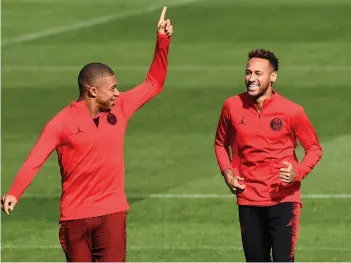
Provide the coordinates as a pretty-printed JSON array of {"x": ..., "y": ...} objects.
[
  {"x": 45, "y": 144},
  {"x": 23, "y": 179},
  {"x": 159, "y": 65},
  {"x": 223, "y": 157},
  {"x": 223, "y": 139},
  {"x": 308, "y": 138},
  {"x": 312, "y": 156},
  {"x": 30, "y": 168},
  {"x": 133, "y": 99}
]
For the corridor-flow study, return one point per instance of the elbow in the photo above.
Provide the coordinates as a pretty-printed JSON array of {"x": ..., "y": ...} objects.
[
  {"x": 156, "y": 85},
  {"x": 219, "y": 146},
  {"x": 320, "y": 153},
  {"x": 156, "y": 79},
  {"x": 216, "y": 147},
  {"x": 218, "y": 143},
  {"x": 317, "y": 152},
  {"x": 157, "y": 89}
]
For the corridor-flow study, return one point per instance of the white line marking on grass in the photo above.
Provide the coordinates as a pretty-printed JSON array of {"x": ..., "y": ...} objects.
[
  {"x": 326, "y": 196},
  {"x": 225, "y": 248},
  {"x": 89, "y": 23},
  {"x": 59, "y": 2},
  {"x": 207, "y": 196},
  {"x": 219, "y": 196},
  {"x": 212, "y": 68}
]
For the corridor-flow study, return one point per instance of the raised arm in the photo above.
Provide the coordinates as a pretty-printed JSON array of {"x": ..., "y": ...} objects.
[{"x": 133, "y": 99}]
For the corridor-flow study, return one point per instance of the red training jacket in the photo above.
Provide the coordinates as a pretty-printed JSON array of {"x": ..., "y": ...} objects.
[
  {"x": 260, "y": 142},
  {"x": 90, "y": 157}
]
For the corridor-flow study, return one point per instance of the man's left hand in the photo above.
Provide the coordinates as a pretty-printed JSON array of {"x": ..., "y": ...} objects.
[
  {"x": 287, "y": 174},
  {"x": 164, "y": 25}
]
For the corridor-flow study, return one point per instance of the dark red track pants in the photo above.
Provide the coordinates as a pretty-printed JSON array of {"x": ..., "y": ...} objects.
[{"x": 95, "y": 239}]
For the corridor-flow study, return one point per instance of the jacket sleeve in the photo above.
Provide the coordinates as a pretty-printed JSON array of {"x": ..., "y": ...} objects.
[
  {"x": 135, "y": 98},
  {"x": 307, "y": 136},
  {"x": 223, "y": 138},
  {"x": 45, "y": 145}
]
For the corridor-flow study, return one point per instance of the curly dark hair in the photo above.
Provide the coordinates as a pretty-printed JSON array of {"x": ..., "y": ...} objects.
[
  {"x": 265, "y": 54},
  {"x": 92, "y": 72}
]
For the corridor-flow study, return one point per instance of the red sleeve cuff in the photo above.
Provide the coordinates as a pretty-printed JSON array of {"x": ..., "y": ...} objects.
[
  {"x": 298, "y": 173},
  {"x": 234, "y": 170},
  {"x": 163, "y": 40},
  {"x": 159, "y": 35},
  {"x": 224, "y": 168},
  {"x": 15, "y": 194}
]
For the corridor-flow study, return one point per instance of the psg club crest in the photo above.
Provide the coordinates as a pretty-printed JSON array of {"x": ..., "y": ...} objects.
[
  {"x": 111, "y": 118},
  {"x": 276, "y": 124}
]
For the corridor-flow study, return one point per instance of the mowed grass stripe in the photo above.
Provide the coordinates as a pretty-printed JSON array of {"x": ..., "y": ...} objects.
[
  {"x": 57, "y": 255},
  {"x": 200, "y": 83},
  {"x": 192, "y": 225},
  {"x": 211, "y": 2},
  {"x": 200, "y": 68},
  {"x": 206, "y": 196},
  {"x": 225, "y": 248},
  {"x": 65, "y": 1},
  {"x": 90, "y": 23},
  {"x": 123, "y": 52},
  {"x": 153, "y": 156}
]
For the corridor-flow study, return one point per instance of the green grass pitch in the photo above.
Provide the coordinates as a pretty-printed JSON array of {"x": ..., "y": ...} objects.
[{"x": 169, "y": 142}]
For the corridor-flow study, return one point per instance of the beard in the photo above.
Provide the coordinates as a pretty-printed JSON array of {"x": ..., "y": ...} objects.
[{"x": 256, "y": 89}]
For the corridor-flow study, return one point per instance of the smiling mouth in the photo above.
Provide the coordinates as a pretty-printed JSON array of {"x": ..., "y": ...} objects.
[{"x": 252, "y": 87}]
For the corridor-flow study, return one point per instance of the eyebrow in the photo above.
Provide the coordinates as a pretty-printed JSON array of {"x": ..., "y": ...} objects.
[{"x": 254, "y": 71}]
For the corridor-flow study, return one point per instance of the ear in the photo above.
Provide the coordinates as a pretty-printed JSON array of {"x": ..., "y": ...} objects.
[
  {"x": 274, "y": 76},
  {"x": 92, "y": 92}
]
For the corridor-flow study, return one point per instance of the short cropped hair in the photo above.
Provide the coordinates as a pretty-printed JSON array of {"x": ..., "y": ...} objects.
[
  {"x": 91, "y": 72},
  {"x": 265, "y": 54}
]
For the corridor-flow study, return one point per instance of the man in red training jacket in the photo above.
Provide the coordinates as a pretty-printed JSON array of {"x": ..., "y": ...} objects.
[
  {"x": 261, "y": 128},
  {"x": 88, "y": 136}
]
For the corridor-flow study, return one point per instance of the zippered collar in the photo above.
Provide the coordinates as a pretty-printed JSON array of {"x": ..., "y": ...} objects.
[
  {"x": 266, "y": 102},
  {"x": 81, "y": 106}
]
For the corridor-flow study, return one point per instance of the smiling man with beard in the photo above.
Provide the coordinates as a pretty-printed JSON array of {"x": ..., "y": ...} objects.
[{"x": 261, "y": 128}]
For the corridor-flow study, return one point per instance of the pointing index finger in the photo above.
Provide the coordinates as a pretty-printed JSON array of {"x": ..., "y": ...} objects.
[{"x": 163, "y": 14}]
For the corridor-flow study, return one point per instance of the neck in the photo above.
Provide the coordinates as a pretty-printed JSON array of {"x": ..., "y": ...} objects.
[
  {"x": 260, "y": 100},
  {"x": 91, "y": 105}
]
